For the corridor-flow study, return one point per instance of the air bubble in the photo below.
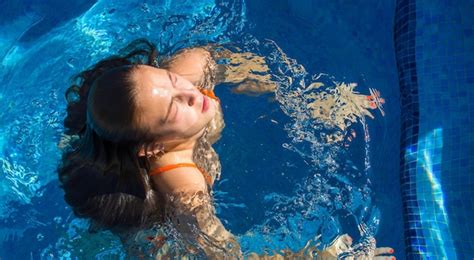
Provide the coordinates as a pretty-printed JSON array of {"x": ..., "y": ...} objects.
[{"x": 57, "y": 220}]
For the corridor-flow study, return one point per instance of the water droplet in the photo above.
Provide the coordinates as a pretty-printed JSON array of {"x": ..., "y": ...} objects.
[
  {"x": 57, "y": 220},
  {"x": 133, "y": 28},
  {"x": 71, "y": 62},
  {"x": 145, "y": 8}
]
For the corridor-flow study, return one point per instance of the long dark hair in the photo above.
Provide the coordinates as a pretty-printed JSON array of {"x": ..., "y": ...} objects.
[{"x": 101, "y": 174}]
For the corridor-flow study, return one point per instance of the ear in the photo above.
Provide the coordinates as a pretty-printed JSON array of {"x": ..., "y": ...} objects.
[
  {"x": 141, "y": 151},
  {"x": 151, "y": 149}
]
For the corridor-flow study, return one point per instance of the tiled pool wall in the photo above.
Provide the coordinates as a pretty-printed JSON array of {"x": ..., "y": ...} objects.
[{"x": 434, "y": 45}]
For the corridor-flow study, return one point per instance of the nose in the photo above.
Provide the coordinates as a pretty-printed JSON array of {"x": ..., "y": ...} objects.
[{"x": 189, "y": 96}]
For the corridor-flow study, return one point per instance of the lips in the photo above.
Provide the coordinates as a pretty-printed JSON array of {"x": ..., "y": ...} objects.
[{"x": 205, "y": 104}]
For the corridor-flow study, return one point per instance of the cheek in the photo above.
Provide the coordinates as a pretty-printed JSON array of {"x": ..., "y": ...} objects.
[{"x": 186, "y": 119}]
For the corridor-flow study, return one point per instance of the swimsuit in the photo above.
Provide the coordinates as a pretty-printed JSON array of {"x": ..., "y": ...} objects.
[
  {"x": 209, "y": 93},
  {"x": 159, "y": 170}
]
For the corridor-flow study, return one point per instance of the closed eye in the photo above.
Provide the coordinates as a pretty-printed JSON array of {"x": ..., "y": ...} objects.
[{"x": 175, "y": 109}]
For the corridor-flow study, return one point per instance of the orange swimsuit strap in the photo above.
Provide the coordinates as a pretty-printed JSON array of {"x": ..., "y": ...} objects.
[
  {"x": 162, "y": 169},
  {"x": 210, "y": 93}
]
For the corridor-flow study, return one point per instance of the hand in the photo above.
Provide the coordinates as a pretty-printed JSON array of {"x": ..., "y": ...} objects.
[
  {"x": 342, "y": 248},
  {"x": 367, "y": 250}
]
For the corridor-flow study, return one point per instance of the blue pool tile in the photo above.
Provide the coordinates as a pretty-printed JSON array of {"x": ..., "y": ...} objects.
[{"x": 434, "y": 45}]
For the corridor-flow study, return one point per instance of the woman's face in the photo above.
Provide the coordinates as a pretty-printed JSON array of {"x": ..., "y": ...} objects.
[{"x": 170, "y": 105}]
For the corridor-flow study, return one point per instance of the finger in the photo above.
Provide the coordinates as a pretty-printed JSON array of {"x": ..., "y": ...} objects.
[
  {"x": 384, "y": 258},
  {"x": 383, "y": 251},
  {"x": 346, "y": 239}
]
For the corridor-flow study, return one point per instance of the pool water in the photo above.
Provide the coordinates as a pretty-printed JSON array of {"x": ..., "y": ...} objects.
[{"x": 282, "y": 184}]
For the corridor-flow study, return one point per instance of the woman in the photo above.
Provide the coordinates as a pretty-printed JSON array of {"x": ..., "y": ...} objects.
[
  {"x": 128, "y": 119},
  {"x": 139, "y": 149}
]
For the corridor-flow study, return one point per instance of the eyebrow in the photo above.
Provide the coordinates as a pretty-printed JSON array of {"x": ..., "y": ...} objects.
[
  {"x": 168, "y": 112},
  {"x": 173, "y": 82}
]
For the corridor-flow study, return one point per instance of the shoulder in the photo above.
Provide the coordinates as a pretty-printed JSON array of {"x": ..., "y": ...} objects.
[
  {"x": 194, "y": 55},
  {"x": 180, "y": 180},
  {"x": 194, "y": 64}
]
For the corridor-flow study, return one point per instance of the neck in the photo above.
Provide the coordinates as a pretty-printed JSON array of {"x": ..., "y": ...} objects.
[
  {"x": 177, "y": 151},
  {"x": 183, "y": 155}
]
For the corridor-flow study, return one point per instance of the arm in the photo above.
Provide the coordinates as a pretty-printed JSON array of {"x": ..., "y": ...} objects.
[
  {"x": 193, "y": 214},
  {"x": 247, "y": 71},
  {"x": 189, "y": 207}
]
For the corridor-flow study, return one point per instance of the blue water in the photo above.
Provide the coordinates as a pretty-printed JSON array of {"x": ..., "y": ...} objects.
[{"x": 278, "y": 190}]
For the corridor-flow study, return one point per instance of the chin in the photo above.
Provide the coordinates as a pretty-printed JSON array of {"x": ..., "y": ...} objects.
[
  {"x": 215, "y": 125},
  {"x": 201, "y": 133}
]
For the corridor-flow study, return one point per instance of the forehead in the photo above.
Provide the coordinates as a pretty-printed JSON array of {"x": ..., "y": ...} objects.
[
  {"x": 152, "y": 92},
  {"x": 151, "y": 82},
  {"x": 148, "y": 76}
]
